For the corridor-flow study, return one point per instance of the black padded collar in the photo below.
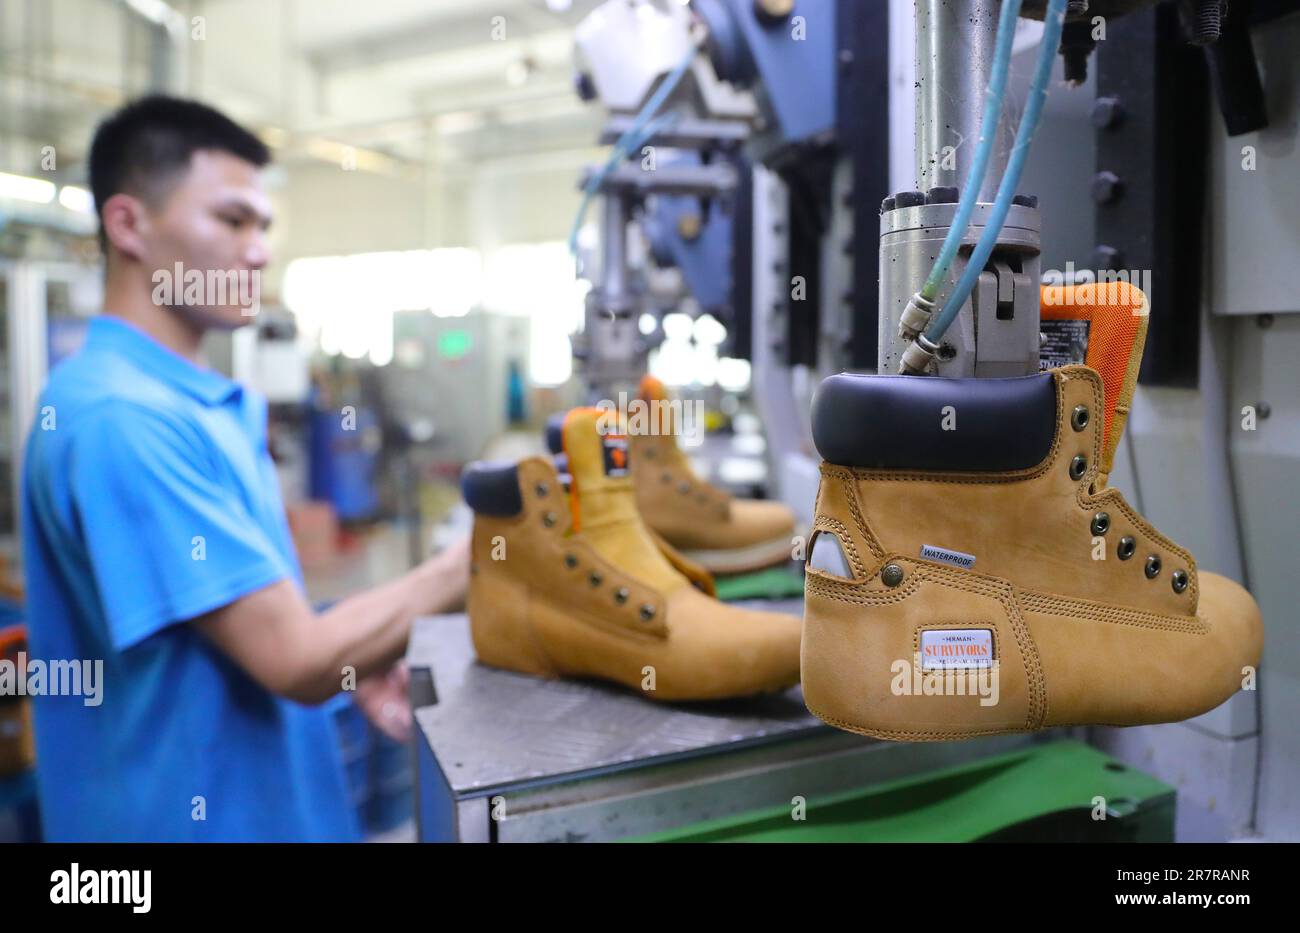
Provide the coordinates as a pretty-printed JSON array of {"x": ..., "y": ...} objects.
[
  {"x": 898, "y": 422},
  {"x": 492, "y": 488}
]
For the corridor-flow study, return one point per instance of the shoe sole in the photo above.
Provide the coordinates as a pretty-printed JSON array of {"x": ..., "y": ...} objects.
[{"x": 743, "y": 560}]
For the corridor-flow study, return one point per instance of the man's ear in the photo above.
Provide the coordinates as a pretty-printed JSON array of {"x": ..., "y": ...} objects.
[{"x": 125, "y": 223}]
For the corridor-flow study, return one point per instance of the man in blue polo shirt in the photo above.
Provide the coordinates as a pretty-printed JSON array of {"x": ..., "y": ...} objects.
[{"x": 155, "y": 538}]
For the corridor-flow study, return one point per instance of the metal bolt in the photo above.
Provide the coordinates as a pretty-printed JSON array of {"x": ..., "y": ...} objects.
[
  {"x": 891, "y": 575},
  {"x": 1106, "y": 187},
  {"x": 1263, "y": 409},
  {"x": 1152, "y": 569},
  {"x": 1107, "y": 112},
  {"x": 1107, "y": 258},
  {"x": 1079, "y": 417}
]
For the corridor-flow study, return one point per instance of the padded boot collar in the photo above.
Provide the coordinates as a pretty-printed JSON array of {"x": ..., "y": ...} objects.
[{"x": 929, "y": 423}]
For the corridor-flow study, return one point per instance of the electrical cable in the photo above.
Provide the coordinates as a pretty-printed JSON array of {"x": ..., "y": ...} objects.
[{"x": 1053, "y": 21}]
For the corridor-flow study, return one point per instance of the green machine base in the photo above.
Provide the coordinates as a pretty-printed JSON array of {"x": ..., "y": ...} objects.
[
  {"x": 1061, "y": 791},
  {"x": 772, "y": 583}
]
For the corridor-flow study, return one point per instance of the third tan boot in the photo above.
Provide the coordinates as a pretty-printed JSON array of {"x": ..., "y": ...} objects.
[
  {"x": 721, "y": 533},
  {"x": 573, "y": 584},
  {"x": 971, "y": 573}
]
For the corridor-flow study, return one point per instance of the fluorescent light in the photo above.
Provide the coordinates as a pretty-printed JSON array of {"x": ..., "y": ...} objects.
[
  {"x": 76, "y": 199},
  {"x": 26, "y": 189}
]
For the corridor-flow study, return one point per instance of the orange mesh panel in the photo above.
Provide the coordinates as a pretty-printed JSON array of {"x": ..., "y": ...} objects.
[{"x": 1118, "y": 314}]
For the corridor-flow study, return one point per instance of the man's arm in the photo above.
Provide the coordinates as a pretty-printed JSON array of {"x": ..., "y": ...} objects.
[{"x": 276, "y": 638}]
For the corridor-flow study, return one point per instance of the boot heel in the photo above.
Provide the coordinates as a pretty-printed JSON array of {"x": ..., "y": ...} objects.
[{"x": 503, "y": 637}]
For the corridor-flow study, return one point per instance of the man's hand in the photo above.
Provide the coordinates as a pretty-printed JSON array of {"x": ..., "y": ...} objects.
[{"x": 386, "y": 701}]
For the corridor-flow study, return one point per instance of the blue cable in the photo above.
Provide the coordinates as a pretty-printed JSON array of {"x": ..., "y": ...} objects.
[
  {"x": 1052, "y": 24},
  {"x": 631, "y": 138},
  {"x": 993, "y": 98}
]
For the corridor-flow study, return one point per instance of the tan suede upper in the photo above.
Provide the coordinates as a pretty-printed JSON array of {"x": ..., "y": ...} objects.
[
  {"x": 584, "y": 590},
  {"x": 1078, "y": 639}
]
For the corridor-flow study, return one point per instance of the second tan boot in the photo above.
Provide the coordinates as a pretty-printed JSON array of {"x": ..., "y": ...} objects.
[{"x": 574, "y": 584}]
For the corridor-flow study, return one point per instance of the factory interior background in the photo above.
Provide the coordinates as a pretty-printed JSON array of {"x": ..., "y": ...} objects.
[{"x": 441, "y": 288}]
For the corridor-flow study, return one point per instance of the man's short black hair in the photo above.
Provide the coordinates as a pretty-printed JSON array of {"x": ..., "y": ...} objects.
[{"x": 141, "y": 148}]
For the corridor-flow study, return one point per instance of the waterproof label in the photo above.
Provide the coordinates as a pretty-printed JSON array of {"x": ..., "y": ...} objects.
[{"x": 945, "y": 556}]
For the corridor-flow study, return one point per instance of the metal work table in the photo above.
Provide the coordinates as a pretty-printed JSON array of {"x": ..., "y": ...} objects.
[{"x": 507, "y": 757}]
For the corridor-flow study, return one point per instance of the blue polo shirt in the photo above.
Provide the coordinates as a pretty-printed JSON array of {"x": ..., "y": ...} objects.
[{"x": 149, "y": 498}]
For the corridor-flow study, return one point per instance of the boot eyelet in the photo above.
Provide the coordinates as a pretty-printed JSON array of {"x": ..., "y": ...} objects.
[
  {"x": 1078, "y": 466},
  {"x": 570, "y": 561},
  {"x": 548, "y": 519},
  {"x": 621, "y": 594},
  {"x": 1152, "y": 568},
  {"x": 595, "y": 579},
  {"x": 542, "y": 490},
  {"x": 1079, "y": 417},
  {"x": 666, "y": 477},
  {"x": 1126, "y": 548},
  {"x": 1179, "y": 580},
  {"x": 647, "y": 612},
  {"x": 649, "y": 453},
  {"x": 684, "y": 488},
  {"x": 1100, "y": 523},
  {"x": 891, "y": 575}
]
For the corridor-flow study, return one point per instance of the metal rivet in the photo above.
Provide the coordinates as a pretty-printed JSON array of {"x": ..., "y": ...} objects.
[
  {"x": 570, "y": 561},
  {"x": 1126, "y": 547},
  {"x": 647, "y": 612},
  {"x": 1100, "y": 523},
  {"x": 1180, "y": 580},
  {"x": 1079, "y": 417},
  {"x": 620, "y": 595},
  {"x": 1153, "y": 567},
  {"x": 548, "y": 519},
  {"x": 684, "y": 488},
  {"x": 595, "y": 579},
  {"x": 1078, "y": 466},
  {"x": 892, "y": 575},
  {"x": 542, "y": 489}
]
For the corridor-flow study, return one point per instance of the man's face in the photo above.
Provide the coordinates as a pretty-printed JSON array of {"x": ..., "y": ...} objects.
[{"x": 213, "y": 222}]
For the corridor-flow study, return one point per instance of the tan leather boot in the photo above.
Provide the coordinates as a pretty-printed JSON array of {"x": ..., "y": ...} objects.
[
  {"x": 722, "y": 534},
  {"x": 575, "y": 585},
  {"x": 964, "y": 530}
]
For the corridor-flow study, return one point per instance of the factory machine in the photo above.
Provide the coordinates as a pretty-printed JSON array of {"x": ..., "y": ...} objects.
[{"x": 1167, "y": 156}]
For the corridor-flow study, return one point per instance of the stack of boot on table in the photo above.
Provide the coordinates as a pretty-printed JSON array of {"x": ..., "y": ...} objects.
[{"x": 970, "y": 571}]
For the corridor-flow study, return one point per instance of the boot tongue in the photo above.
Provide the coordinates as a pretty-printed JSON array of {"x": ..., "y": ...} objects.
[
  {"x": 603, "y": 500},
  {"x": 1104, "y": 326}
]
